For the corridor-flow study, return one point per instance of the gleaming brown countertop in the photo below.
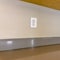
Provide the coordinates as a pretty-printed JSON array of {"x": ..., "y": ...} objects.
[{"x": 39, "y": 53}]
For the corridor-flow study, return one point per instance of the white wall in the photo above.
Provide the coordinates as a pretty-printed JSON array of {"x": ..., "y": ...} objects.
[{"x": 15, "y": 19}]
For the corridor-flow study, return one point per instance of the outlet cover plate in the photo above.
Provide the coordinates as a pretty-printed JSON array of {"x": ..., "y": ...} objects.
[{"x": 33, "y": 22}]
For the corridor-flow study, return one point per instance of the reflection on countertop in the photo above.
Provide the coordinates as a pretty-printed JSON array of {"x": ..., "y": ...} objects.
[{"x": 39, "y": 53}]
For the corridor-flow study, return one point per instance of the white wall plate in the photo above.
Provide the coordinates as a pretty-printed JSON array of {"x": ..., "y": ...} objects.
[{"x": 33, "y": 23}]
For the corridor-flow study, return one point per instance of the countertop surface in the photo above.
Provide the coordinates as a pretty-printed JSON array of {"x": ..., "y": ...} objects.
[{"x": 39, "y": 53}]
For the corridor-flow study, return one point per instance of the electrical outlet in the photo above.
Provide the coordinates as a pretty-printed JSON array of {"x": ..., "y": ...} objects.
[{"x": 33, "y": 23}]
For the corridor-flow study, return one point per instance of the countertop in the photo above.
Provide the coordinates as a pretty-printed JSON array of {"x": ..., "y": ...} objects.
[{"x": 39, "y": 53}]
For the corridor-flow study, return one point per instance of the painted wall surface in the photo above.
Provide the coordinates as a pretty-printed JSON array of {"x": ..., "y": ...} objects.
[{"x": 15, "y": 20}]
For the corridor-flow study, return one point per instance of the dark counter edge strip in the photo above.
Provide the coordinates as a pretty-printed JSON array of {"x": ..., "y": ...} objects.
[{"x": 18, "y": 43}]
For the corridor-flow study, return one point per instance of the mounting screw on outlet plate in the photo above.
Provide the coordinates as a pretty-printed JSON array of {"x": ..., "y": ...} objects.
[{"x": 33, "y": 22}]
